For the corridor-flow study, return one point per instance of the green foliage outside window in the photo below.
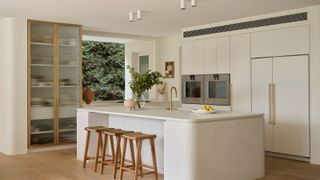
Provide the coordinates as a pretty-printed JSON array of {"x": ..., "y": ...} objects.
[{"x": 104, "y": 69}]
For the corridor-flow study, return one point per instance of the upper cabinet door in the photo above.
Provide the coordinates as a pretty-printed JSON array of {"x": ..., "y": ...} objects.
[
  {"x": 291, "y": 129},
  {"x": 261, "y": 81},
  {"x": 187, "y": 58},
  {"x": 210, "y": 56},
  {"x": 198, "y": 57},
  {"x": 223, "y": 55},
  {"x": 289, "y": 41}
]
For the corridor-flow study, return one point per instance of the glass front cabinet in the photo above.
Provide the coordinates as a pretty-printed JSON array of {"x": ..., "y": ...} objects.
[{"x": 54, "y": 87}]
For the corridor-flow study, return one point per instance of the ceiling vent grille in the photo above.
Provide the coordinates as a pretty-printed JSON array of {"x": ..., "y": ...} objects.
[{"x": 247, "y": 25}]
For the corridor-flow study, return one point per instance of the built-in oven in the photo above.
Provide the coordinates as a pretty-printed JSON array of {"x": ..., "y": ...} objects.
[
  {"x": 192, "y": 89},
  {"x": 217, "y": 89}
]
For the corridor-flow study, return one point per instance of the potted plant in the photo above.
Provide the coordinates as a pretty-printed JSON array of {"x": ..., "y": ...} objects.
[{"x": 142, "y": 82}]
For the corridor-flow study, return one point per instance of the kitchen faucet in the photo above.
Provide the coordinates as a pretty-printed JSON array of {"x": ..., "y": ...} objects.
[{"x": 170, "y": 101}]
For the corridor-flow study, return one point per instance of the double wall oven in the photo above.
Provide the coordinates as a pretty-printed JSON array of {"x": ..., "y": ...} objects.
[{"x": 206, "y": 89}]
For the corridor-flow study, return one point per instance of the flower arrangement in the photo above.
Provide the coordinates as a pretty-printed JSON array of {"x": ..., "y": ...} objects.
[{"x": 142, "y": 82}]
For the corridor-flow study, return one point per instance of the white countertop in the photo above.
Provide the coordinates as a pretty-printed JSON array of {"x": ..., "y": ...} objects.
[{"x": 159, "y": 112}]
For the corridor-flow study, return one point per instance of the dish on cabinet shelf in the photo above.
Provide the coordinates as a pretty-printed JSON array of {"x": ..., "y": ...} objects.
[
  {"x": 37, "y": 101},
  {"x": 68, "y": 42},
  {"x": 41, "y": 38}
]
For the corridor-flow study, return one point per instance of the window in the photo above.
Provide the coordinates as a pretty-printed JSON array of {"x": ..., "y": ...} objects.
[{"x": 104, "y": 69}]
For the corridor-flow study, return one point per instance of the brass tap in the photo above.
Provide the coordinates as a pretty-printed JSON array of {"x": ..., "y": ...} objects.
[{"x": 170, "y": 102}]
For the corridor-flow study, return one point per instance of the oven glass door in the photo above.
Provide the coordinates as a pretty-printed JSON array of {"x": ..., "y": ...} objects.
[
  {"x": 193, "y": 89},
  {"x": 218, "y": 89}
]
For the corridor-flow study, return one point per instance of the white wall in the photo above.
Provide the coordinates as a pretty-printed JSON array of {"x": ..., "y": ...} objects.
[
  {"x": 131, "y": 49},
  {"x": 13, "y": 106},
  {"x": 159, "y": 50},
  {"x": 170, "y": 51},
  {"x": 314, "y": 17},
  {"x": 2, "y": 92}
]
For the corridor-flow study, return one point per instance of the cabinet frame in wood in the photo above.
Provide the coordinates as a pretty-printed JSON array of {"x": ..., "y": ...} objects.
[{"x": 56, "y": 27}]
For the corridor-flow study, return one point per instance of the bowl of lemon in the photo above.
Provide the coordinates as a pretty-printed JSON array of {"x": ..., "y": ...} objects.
[{"x": 205, "y": 109}]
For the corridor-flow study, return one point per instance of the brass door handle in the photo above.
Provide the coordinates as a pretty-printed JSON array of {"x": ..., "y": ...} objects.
[
  {"x": 270, "y": 104},
  {"x": 231, "y": 98},
  {"x": 273, "y": 104}
]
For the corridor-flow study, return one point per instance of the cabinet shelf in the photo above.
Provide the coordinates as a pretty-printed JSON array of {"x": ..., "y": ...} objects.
[
  {"x": 68, "y": 86},
  {"x": 42, "y": 86},
  {"x": 52, "y": 86},
  {"x": 41, "y": 44},
  {"x": 41, "y": 65},
  {"x": 70, "y": 66},
  {"x": 42, "y": 119},
  {"x": 68, "y": 45},
  {"x": 42, "y": 132},
  {"x": 67, "y": 130}
]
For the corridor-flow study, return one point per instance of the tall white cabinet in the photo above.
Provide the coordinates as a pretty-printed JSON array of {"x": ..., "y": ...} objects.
[
  {"x": 280, "y": 89},
  {"x": 240, "y": 73}
]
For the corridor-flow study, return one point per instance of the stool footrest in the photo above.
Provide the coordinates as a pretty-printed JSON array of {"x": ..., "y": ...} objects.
[{"x": 108, "y": 161}]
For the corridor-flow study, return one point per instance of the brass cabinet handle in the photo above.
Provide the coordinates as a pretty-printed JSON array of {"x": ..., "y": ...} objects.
[
  {"x": 231, "y": 98},
  {"x": 273, "y": 104},
  {"x": 270, "y": 104}
]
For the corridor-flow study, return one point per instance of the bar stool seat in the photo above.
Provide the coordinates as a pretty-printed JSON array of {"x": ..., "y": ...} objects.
[
  {"x": 138, "y": 135},
  {"x": 98, "y": 130},
  {"x": 136, "y": 161},
  {"x": 95, "y": 128},
  {"x": 115, "y": 152}
]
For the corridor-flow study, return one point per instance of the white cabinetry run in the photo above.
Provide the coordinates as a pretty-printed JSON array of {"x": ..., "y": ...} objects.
[
  {"x": 187, "y": 58},
  {"x": 207, "y": 56},
  {"x": 192, "y": 57},
  {"x": 280, "y": 89},
  {"x": 281, "y": 42},
  {"x": 223, "y": 55}
]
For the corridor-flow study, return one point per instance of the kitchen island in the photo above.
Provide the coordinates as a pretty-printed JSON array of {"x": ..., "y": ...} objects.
[{"x": 224, "y": 145}]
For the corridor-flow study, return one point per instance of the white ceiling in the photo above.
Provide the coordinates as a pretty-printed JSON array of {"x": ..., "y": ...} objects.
[
  {"x": 105, "y": 39},
  {"x": 165, "y": 17}
]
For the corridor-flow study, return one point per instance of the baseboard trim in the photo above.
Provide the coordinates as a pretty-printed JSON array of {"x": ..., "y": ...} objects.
[
  {"x": 52, "y": 148},
  {"x": 286, "y": 156}
]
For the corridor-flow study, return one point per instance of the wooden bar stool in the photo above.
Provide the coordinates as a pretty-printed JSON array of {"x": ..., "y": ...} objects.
[
  {"x": 115, "y": 151},
  {"x": 136, "y": 161},
  {"x": 98, "y": 130}
]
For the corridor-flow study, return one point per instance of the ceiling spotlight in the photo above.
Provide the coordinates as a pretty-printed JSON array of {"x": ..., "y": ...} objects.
[
  {"x": 194, "y": 3},
  {"x": 131, "y": 18},
  {"x": 139, "y": 15},
  {"x": 183, "y": 4}
]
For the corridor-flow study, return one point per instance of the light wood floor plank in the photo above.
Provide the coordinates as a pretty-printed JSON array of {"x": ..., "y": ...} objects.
[{"x": 63, "y": 165}]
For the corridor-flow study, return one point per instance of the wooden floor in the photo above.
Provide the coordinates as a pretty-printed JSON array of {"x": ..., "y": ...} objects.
[{"x": 63, "y": 165}]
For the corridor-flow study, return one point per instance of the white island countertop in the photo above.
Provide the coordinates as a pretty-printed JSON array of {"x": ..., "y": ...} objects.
[{"x": 160, "y": 112}]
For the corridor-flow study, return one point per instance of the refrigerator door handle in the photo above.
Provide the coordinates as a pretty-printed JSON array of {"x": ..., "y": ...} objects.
[
  {"x": 273, "y": 104},
  {"x": 270, "y": 104},
  {"x": 231, "y": 97}
]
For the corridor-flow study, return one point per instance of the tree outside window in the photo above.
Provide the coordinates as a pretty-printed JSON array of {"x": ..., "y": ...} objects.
[{"x": 104, "y": 69}]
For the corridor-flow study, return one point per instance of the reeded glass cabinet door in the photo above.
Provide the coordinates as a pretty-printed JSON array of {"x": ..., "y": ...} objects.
[
  {"x": 69, "y": 81},
  {"x": 41, "y": 90}
]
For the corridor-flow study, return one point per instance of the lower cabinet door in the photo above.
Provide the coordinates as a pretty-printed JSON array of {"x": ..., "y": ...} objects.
[
  {"x": 291, "y": 125},
  {"x": 261, "y": 81}
]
